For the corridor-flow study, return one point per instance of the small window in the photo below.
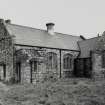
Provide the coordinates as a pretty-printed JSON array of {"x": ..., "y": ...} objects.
[{"x": 67, "y": 61}]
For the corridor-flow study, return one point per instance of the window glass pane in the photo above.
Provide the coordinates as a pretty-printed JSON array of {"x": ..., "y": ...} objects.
[
  {"x": 34, "y": 66},
  {"x": 64, "y": 62},
  {"x": 67, "y": 61},
  {"x": 51, "y": 61},
  {"x": 103, "y": 60}
]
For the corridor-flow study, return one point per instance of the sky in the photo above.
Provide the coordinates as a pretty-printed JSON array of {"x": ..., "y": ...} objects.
[{"x": 74, "y": 17}]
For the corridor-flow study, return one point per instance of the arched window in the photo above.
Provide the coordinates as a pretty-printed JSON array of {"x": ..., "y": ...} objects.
[
  {"x": 51, "y": 60},
  {"x": 103, "y": 59},
  {"x": 67, "y": 61},
  {"x": 34, "y": 64}
]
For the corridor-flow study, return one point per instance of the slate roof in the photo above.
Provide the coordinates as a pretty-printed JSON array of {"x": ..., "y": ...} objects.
[
  {"x": 88, "y": 45},
  {"x": 35, "y": 37}
]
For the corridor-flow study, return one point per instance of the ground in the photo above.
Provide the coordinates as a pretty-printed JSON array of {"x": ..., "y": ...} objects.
[{"x": 61, "y": 92}]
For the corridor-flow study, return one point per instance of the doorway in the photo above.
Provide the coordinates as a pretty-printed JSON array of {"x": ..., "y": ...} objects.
[
  {"x": 18, "y": 72},
  {"x": 83, "y": 67},
  {"x": 33, "y": 65},
  {"x": 2, "y": 72}
]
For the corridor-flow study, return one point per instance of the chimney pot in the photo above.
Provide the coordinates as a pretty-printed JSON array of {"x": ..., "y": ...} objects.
[{"x": 50, "y": 28}]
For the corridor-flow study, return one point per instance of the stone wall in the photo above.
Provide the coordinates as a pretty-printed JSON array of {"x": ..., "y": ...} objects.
[
  {"x": 25, "y": 53},
  {"x": 6, "y": 50},
  {"x": 98, "y": 71}
]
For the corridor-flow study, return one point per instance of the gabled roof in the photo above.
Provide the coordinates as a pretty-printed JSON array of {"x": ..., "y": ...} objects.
[
  {"x": 35, "y": 37},
  {"x": 88, "y": 45}
]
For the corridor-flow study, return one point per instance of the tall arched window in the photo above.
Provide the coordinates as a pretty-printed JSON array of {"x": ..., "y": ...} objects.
[
  {"x": 51, "y": 60},
  {"x": 67, "y": 61},
  {"x": 103, "y": 59}
]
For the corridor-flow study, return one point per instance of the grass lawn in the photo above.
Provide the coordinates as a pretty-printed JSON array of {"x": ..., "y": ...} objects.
[{"x": 62, "y": 92}]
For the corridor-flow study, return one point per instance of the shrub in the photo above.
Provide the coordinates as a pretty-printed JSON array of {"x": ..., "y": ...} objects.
[
  {"x": 10, "y": 81},
  {"x": 50, "y": 76}
]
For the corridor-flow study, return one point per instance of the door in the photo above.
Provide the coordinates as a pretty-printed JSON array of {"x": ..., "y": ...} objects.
[
  {"x": 33, "y": 71},
  {"x": 87, "y": 67},
  {"x": 18, "y": 72},
  {"x": 2, "y": 72},
  {"x": 83, "y": 67},
  {"x": 79, "y": 67}
]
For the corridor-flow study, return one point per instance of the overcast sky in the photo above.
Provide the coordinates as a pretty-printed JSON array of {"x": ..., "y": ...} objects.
[{"x": 76, "y": 17}]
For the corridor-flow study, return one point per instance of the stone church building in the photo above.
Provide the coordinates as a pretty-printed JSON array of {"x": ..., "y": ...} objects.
[{"x": 28, "y": 54}]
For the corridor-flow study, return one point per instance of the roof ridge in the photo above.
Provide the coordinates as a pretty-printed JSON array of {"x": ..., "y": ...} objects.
[
  {"x": 41, "y": 29},
  {"x": 89, "y": 39},
  {"x": 26, "y": 26}
]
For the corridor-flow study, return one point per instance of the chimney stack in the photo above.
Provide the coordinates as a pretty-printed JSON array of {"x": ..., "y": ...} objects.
[
  {"x": 50, "y": 28},
  {"x": 8, "y": 21}
]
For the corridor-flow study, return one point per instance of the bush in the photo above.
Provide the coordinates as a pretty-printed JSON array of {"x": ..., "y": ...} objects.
[
  {"x": 50, "y": 76},
  {"x": 10, "y": 81}
]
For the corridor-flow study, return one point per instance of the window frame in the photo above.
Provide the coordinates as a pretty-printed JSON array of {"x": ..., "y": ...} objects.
[
  {"x": 67, "y": 61},
  {"x": 103, "y": 59},
  {"x": 51, "y": 60},
  {"x": 34, "y": 66}
]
